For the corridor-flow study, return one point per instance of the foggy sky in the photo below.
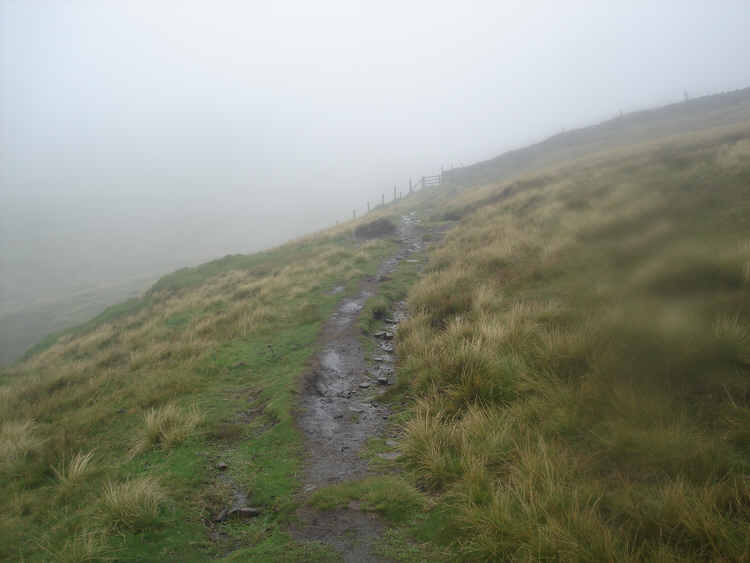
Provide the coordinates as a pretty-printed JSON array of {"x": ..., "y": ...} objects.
[{"x": 137, "y": 137}]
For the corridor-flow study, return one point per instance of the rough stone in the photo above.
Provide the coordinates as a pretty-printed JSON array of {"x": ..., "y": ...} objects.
[
  {"x": 243, "y": 512},
  {"x": 364, "y": 385},
  {"x": 384, "y": 334},
  {"x": 221, "y": 466}
]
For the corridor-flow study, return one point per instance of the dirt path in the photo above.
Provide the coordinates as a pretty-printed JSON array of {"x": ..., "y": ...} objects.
[{"x": 339, "y": 410}]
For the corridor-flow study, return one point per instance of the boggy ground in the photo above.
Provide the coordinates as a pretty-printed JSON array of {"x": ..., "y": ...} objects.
[{"x": 339, "y": 411}]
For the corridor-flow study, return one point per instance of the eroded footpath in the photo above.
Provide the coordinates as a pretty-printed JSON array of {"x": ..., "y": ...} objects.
[{"x": 339, "y": 409}]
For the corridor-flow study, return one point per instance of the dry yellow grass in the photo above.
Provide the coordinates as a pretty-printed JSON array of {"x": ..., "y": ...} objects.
[
  {"x": 74, "y": 469},
  {"x": 167, "y": 426},
  {"x": 133, "y": 504},
  {"x": 115, "y": 383},
  {"x": 580, "y": 349}
]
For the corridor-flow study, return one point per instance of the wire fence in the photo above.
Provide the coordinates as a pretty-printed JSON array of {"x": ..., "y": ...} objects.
[{"x": 423, "y": 182}]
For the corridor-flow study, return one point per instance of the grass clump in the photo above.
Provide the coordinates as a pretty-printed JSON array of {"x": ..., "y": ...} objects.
[
  {"x": 75, "y": 469},
  {"x": 167, "y": 426},
  {"x": 133, "y": 505}
]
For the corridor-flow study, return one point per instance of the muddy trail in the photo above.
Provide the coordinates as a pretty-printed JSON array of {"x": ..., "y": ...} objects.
[{"x": 339, "y": 409}]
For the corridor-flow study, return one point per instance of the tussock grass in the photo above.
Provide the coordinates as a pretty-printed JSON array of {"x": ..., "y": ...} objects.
[
  {"x": 75, "y": 469},
  {"x": 167, "y": 426},
  {"x": 579, "y": 349},
  {"x": 134, "y": 504}
]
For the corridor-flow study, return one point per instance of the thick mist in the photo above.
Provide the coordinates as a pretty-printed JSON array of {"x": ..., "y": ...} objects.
[{"x": 139, "y": 137}]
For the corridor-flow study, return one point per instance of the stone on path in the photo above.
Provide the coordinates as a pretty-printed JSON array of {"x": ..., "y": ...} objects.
[
  {"x": 240, "y": 513},
  {"x": 243, "y": 512}
]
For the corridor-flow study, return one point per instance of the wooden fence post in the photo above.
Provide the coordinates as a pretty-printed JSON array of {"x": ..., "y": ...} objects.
[
  {"x": 368, "y": 206},
  {"x": 394, "y": 192},
  {"x": 354, "y": 213},
  {"x": 410, "y": 186}
]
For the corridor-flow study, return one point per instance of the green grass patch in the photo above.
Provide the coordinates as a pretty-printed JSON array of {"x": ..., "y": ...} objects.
[
  {"x": 390, "y": 496},
  {"x": 580, "y": 356},
  {"x": 204, "y": 368}
]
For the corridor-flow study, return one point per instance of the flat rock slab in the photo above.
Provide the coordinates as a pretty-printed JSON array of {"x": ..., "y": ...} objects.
[{"x": 241, "y": 513}]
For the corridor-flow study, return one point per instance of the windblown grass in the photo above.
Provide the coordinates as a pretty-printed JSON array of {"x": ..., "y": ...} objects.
[
  {"x": 580, "y": 352},
  {"x": 75, "y": 469},
  {"x": 134, "y": 504},
  {"x": 167, "y": 426},
  {"x": 231, "y": 338},
  {"x": 578, "y": 349}
]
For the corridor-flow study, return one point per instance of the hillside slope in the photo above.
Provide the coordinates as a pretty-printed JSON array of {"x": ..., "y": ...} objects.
[
  {"x": 112, "y": 431},
  {"x": 580, "y": 357},
  {"x": 718, "y": 110},
  {"x": 572, "y": 384}
]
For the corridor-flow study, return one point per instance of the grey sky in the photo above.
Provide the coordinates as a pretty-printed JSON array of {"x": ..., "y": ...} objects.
[{"x": 136, "y": 137}]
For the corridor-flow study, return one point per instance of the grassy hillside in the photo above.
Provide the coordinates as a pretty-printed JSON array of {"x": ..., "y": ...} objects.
[
  {"x": 111, "y": 432},
  {"x": 675, "y": 120},
  {"x": 579, "y": 354},
  {"x": 26, "y": 325},
  {"x": 573, "y": 383}
]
